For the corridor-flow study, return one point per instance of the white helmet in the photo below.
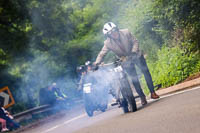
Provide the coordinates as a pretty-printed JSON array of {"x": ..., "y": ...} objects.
[{"x": 108, "y": 27}]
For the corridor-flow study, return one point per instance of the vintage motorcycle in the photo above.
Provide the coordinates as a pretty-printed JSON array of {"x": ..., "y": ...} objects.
[
  {"x": 121, "y": 89},
  {"x": 94, "y": 94}
]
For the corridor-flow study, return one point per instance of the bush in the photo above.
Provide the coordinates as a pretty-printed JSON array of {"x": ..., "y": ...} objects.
[{"x": 173, "y": 66}]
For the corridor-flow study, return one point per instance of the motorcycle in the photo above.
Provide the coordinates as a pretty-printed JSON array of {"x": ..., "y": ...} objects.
[
  {"x": 121, "y": 89},
  {"x": 95, "y": 96}
]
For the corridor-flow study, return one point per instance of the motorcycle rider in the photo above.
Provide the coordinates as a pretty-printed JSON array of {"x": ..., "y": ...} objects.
[
  {"x": 86, "y": 74},
  {"x": 125, "y": 45},
  {"x": 57, "y": 91},
  {"x": 81, "y": 70},
  {"x": 88, "y": 65}
]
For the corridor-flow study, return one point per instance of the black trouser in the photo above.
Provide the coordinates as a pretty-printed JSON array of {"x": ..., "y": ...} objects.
[{"x": 130, "y": 68}]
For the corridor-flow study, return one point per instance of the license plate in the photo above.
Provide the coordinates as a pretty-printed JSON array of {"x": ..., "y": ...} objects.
[
  {"x": 118, "y": 69},
  {"x": 87, "y": 88}
]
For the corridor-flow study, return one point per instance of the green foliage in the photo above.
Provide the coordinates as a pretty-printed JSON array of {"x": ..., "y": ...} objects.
[
  {"x": 168, "y": 33},
  {"x": 136, "y": 16},
  {"x": 173, "y": 66},
  {"x": 182, "y": 16},
  {"x": 48, "y": 40},
  {"x": 44, "y": 41},
  {"x": 3, "y": 59}
]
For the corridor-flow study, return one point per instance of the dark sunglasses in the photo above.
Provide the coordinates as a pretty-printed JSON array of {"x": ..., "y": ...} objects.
[{"x": 113, "y": 30}]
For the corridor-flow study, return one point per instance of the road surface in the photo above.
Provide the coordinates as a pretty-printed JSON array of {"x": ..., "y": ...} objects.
[{"x": 175, "y": 113}]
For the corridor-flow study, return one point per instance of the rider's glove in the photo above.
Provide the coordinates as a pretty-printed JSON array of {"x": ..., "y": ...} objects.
[
  {"x": 95, "y": 67},
  {"x": 135, "y": 55}
]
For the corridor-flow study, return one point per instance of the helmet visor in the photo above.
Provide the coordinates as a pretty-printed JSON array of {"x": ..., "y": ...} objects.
[{"x": 111, "y": 31}]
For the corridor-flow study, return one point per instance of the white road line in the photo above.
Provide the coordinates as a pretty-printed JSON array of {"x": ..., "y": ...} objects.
[
  {"x": 66, "y": 122},
  {"x": 180, "y": 92},
  {"x": 78, "y": 117},
  {"x": 176, "y": 93},
  {"x": 51, "y": 129}
]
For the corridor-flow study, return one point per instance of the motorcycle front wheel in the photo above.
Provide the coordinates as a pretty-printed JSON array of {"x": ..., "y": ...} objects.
[
  {"x": 129, "y": 100},
  {"x": 89, "y": 110}
]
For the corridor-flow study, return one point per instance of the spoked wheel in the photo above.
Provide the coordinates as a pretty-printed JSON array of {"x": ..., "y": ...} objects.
[
  {"x": 129, "y": 100},
  {"x": 124, "y": 105}
]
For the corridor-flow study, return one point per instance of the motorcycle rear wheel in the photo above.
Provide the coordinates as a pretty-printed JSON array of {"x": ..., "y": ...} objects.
[
  {"x": 89, "y": 111},
  {"x": 103, "y": 108}
]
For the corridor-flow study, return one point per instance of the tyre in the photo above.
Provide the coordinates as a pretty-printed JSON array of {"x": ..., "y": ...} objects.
[
  {"x": 89, "y": 110},
  {"x": 131, "y": 102},
  {"x": 128, "y": 95},
  {"x": 103, "y": 108},
  {"x": 124, "y": 105}
]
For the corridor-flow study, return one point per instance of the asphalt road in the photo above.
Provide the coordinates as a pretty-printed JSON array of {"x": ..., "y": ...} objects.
[{"x": 177, "y": 113}]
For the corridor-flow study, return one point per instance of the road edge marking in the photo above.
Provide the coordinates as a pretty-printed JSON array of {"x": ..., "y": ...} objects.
[{"x": 66, "y": 122}]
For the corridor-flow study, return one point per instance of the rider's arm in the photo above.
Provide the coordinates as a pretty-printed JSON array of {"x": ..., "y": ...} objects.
[
  {"x": 80, "y": 85},
  {"x": 134, "y": 42},
  {"x": 102, "y": 54}
]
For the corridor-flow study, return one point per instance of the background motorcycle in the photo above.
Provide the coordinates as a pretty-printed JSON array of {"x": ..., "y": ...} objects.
[{"x": 94, "y": 94}]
